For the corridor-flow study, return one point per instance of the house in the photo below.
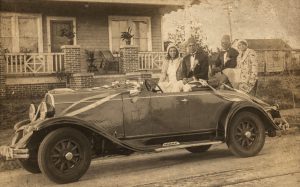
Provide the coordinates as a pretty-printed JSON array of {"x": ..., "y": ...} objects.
[
  {"x": 42, "y": 38},
  {"x": 273, "y": 55}
]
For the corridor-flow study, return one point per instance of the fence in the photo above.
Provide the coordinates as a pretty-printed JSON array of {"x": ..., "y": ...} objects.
[
  {"x": 34, "y": 63},
  {"x": 151, "y": 60}
]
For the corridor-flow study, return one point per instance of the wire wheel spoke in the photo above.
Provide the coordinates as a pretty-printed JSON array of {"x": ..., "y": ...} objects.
[
  {"x": 57, "y": 162},
  {"x": 240, "y": 129},
  {"x": 62, "y": 166},
  {"x": 73, "y": 161},
  {"x": 55, "y": 155},
  {"x": 69, "y": 164},
  {"x": 245, "y": 133},
  {"x": 74, "y": 148},
  {"x": 60, "y": 154},
  {"x": 58, "y": 149},
  {"x": 68, "y": 145}
]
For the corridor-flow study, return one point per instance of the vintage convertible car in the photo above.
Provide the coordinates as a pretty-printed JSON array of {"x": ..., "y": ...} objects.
[{"x": 69, "y": 128}]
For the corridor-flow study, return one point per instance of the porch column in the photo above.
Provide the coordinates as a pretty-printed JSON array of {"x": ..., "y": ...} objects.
[
  {"x": 129, "y": 59},
  {"x": 78, "y": 78},
  {"x": 72, "y": 58},
  {"x": 2, "y": 73}
]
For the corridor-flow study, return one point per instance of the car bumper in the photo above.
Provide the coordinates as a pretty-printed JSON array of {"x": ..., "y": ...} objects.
[
  {"x": 17, "y": 149},
  {"x": 11, "y": 153}
]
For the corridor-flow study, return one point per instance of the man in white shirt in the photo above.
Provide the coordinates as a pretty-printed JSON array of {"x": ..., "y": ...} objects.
[{"x": 195, "y": 64}]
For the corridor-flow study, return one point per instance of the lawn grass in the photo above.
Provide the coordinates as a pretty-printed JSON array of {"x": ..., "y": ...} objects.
[
  {"x": 13, "y": 111},
  {"x": 278, "y": 89}
]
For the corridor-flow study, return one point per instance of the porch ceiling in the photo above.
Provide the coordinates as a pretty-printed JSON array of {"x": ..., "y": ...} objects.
[
  {"x": 143, "y": 2},
  {"x": 111, "y": 7}
]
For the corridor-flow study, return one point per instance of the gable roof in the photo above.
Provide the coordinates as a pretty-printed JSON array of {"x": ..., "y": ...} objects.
[{"x": 266, "y": 44}]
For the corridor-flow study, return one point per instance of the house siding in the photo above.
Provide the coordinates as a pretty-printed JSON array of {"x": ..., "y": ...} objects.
[
  {"x": 92, "y": 23},
  {"x": 156, "y": 33}
]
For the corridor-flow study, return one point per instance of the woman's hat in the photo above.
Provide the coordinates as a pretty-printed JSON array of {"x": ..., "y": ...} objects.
[
  {"x": 243, "y": 42},
  {"x": 172, "y": 45}
]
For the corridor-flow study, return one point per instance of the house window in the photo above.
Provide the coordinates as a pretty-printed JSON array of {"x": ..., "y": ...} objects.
[
  {"x": 21, "y": 32},
  {"x": 141, "y": 29}
]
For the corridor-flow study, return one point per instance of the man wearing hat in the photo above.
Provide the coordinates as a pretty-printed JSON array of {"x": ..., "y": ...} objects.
[
  {"x": 195, "y": 64},
  {"x": 226, "y": 58}
]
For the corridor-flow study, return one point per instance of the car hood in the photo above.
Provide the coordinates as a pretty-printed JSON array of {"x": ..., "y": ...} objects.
[{"x": 69, "y": 100}]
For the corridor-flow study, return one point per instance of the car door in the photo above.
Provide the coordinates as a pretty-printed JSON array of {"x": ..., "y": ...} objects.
[
  {"x": 137, "y": 118},
  {"x": 169, "y": 113},
  {"x": 205, "y": 110}
]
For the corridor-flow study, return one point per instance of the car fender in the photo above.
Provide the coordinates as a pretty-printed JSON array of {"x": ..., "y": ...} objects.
[
  {"x": 247, "y": 106},
  {"x": 55, "y": 122}
]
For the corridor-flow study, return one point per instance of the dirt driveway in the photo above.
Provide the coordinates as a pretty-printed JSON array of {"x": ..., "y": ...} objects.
[{"x": 278, "y": 164}]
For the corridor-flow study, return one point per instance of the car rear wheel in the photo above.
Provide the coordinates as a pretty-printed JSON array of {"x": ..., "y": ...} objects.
[
  {"x": 246, "y": 134},
  {"x": 64, "y": 155},
  {"x": 198, "y": 149},
  {"x": 30, "y": 165}
]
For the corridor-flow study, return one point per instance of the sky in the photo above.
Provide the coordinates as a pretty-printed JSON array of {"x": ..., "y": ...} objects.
[{"x": 251, "y": 19}]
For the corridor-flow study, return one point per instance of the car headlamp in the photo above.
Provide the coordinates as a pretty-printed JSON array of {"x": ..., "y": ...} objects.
[
  {"x": 32, "y": 112},
  {"x": 49, "y": 99},
  {"x": 43, "y": 110},
  {"x": 47, "y": 109}
]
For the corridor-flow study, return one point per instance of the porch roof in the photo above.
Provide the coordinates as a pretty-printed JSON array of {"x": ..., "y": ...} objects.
[{"x": 140, "y": 2}]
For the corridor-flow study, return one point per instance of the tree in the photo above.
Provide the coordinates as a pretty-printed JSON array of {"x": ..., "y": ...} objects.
[{"x": 178, "y": 37}]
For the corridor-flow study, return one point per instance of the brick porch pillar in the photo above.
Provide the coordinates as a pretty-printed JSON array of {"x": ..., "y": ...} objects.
[
  {"x": 82, "y": 80},
  {"x": 129, "y": 59},
  {"x": 2, "y": 74},
  {"x": 72, "y": 58},
  {"x": 78, "y": 79}
]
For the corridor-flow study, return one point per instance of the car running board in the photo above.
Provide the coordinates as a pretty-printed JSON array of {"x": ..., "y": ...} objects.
[{"x": 176, "y": 145}]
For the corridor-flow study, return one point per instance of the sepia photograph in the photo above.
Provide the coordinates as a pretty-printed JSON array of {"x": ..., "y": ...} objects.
[{"x": 150, "y": 93}]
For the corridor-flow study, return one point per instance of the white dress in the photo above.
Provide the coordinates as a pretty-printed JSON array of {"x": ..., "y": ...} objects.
[{"x": 171, "y": 84}]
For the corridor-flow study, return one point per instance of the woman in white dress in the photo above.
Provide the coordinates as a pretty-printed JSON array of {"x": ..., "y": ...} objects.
[{"x": 172, "y": 75}]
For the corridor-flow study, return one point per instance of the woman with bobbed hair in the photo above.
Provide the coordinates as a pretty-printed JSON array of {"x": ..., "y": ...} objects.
[{"x": 172, "y": 74}]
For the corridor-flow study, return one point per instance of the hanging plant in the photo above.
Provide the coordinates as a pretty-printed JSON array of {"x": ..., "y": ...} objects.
[
  {"x": 68, "y": 33},
  {"x": 127, "y": 36}
]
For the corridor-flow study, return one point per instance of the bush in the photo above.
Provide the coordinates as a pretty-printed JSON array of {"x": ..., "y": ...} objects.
[
  {"x": 275, "y": 90},
  {"x": 13, "y": 111}
]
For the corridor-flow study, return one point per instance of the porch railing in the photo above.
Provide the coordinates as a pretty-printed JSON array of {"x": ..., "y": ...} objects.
[
  {"x": 151, "y": 60},
  {"x": 34, "y": 63}
]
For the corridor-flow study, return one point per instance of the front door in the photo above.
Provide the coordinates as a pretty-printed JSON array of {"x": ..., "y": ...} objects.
[
  {"x": 57, "y": 37},
  {"x": 169, "y": 113}
]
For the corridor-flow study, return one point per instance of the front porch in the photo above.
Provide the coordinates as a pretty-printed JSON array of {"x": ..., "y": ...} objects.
[
  {"x": 38, "y": 72},
  {"x": 35, "y": 64}
]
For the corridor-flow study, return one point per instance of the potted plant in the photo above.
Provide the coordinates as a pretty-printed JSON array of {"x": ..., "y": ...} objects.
[
  {"x": 90, "y": 58},
  {"x": 68, "y": 33},
  {"x": 127, "y": 36}
]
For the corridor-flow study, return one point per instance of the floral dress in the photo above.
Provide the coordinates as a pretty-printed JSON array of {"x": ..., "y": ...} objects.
[{"x": 248, "y": 66}]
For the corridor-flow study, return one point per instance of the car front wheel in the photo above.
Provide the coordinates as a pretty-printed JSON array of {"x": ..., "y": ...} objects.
[
  {"x": 64, "y": 155},
  {"x": 246, "y": 134}
]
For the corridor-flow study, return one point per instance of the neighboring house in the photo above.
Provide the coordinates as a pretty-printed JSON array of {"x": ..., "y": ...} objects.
[
  {"x": 274, "y": 55},
  {"x": 32, "y": 32}
]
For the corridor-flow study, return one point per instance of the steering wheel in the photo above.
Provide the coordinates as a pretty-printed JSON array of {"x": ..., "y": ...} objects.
[{"x": 152, "y": 86}]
